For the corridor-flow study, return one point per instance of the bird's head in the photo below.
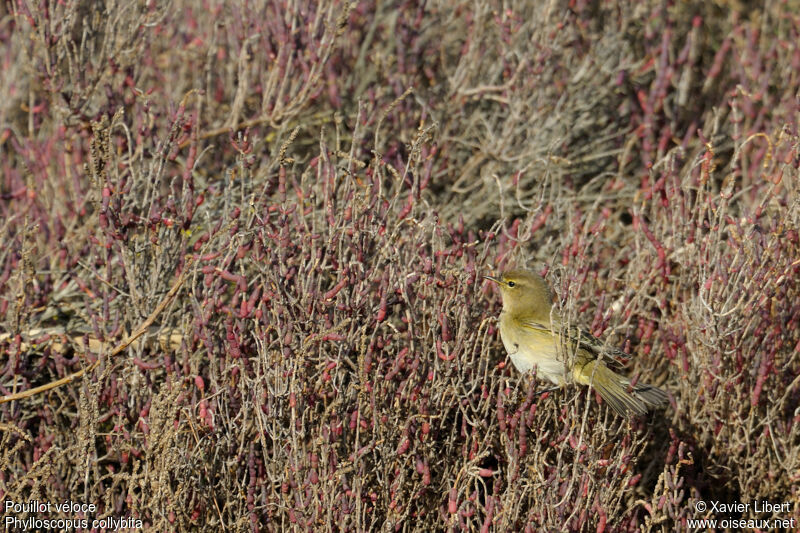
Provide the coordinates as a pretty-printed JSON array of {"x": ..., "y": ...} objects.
[{"x": 525, "y": 293}]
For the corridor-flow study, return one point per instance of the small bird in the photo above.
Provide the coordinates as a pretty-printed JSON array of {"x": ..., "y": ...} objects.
[{"x": 532, "y": 335}]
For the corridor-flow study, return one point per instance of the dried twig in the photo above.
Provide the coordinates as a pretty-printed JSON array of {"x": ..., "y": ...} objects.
[{"x": 138, "y": 332}]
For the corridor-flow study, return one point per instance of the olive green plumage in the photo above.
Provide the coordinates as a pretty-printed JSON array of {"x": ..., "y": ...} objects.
[{"x": 532, "y": 334}]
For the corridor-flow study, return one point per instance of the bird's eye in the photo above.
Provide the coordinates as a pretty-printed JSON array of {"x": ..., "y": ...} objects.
[{"x": 511, "y": 284}]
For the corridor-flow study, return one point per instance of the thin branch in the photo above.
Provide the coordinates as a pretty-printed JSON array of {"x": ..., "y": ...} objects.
[{"x": 138, "y": 332}]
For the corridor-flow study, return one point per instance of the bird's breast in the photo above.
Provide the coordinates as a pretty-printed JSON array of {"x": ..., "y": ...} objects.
[{"x": 528, "y": 348}]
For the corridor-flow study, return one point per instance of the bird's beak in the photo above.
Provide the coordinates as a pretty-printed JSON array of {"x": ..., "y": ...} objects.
[{"x": 492, "y": 278}]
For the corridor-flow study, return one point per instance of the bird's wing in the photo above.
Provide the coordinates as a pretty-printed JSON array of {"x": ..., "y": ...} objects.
[
  {"x": 535, "y": 326},
  {"x": 596, "y": 347},
  {"x": 584, "y": 340}
]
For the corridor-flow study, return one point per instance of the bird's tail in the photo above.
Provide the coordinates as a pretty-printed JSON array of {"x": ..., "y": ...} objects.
[{"x": 616, "y": 390}]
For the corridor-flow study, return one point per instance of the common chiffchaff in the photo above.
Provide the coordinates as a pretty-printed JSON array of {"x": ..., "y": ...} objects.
[{"x": 532, "y": 334}]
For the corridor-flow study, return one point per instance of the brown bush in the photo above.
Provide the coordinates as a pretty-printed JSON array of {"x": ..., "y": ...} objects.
[{"x": 321, "y": 189}]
